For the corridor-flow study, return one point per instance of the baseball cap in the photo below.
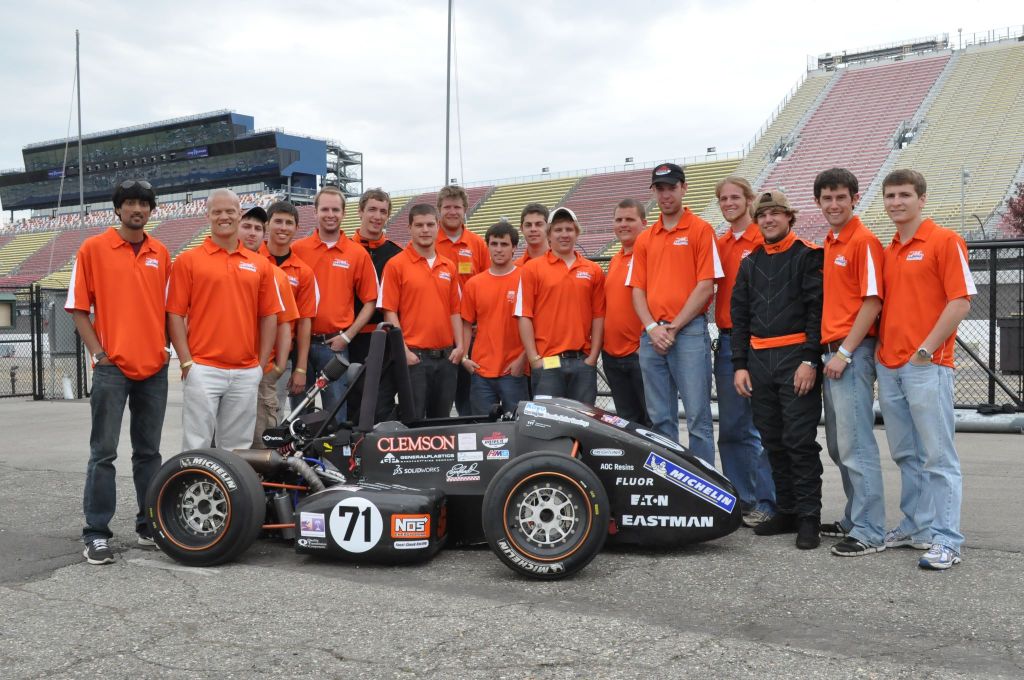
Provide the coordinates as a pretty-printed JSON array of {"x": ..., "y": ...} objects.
[
  {"x": 667, "y": 173},
  {"x": 770, "y": 199},
  {"x": 255, "y": 211},
  {"x": 563, "y": 212}
]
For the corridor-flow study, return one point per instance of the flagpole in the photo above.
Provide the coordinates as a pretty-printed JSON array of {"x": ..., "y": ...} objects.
[
  {"x": 81, "y": 167},
  {"x": 448, "y": 100}
]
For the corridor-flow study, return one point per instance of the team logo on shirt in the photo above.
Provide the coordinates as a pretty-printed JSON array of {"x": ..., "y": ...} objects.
[
  {"x": 247, "y": 266},
  {"x": 681, "y": 241},
  {"x": 153, "y": 262},
  {"x": 583, "y": 275},
  {"x": 465, "y": 252},
  {"x": 444, "y": 276},
  {"x": 510, "y": 296},
  {"x": 294, "y": 281},
  {"x": 840, "y": 261},
  {"x": 343, "y": 264},
  {"x": 915, "y": 255},
  {"x": 744, "y": 254}
]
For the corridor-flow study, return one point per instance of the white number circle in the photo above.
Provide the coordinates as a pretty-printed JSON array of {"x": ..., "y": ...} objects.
[{"x": 356, "y": 524}]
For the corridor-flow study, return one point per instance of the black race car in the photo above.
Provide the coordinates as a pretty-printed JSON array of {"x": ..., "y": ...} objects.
[{"x": 545, "y": 486}]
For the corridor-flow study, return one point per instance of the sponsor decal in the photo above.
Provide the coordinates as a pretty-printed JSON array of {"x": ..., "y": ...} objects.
[
  {"x": 645, "y": 499},
  {"x": 410, "y": 526},
  {"x": 411, "y": 545},
  {"x": 565, "y": 419},
  {"x": 689, "y": 482},
  {"x": 662, "y": 170},
  {"x": 436, "y": 442},
  {"x": 467, "y": 441},
  {"x": 341, "y": 264},
  {"x": 211, "y": 465},
  {"x": 356, "y": 524},
  {"x": 463, "y": 473},
  {"x": 312, "y": 543},
  {"x": 534, "y": 423},
  {"x": 614, "y": 420},
  {"x": 247, "y": 266},
  {"x": 153, "y": 262},
  {"x": 674, "y": 521},
  {"x": 634, "y": 481},
  {"x": 583, "y": 275},
  {"x": 607, "y": 453},
  {"x": 660, "y": 439},
  {"x": 495, "y": 440},
  {"x": 312, "y": 524},
  {"x": 465, "y": 252},
  {"x": 681, "y": 241},
  {"x": 501, "y": 454},
  {"x": 529, "y": 565},
  {"x": 444, "y": 276},
  {"x": 620, "y": 467},
  {"x": 532, "y": 409},
  {"x": 407, "y": 458},
  {"x": 915, "y": 255},
  {"x": 399, "y": 470},
  {"x": 469, "y": 456},
  {"x": 840, "y": 261},
  {"x": 389, "y": 458}
]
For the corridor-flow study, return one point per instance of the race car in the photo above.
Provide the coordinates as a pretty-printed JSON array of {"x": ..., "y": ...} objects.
[{"x": 546, "y": 486}]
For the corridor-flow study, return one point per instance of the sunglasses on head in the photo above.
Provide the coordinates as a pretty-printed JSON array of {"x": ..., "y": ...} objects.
[{"x": 132, "y": 183}]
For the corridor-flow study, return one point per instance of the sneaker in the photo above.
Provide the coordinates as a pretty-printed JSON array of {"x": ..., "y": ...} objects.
[
  {"x": 807, "y": 537},
  {"x": 145, "y": 539},
  {"x": 895, "y": 538},
  {"x": 939, "y": 557},
  {"x": 780, "y": 523},
  {"x": 833, "y": 529},
  {"x": 757, "y": 518},
  {"x": 98, "y": 552},
  {"x": 851, "y": 547}
]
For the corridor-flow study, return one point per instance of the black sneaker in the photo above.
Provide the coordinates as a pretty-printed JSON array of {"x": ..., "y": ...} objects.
[
  {"x": 833, "y": 529},
  {"x": 98, "y": 552},
  {"x": 781, "y": 523},
  {"x": 851, "y": 547},
  {"x": 807, "y": 537}
]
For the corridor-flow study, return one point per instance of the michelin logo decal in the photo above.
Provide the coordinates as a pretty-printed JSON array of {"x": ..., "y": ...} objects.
[{"x": 707, "y": 491}]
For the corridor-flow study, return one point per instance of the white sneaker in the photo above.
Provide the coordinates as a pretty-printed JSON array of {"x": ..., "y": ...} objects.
[{"x": 939, "y": 557}]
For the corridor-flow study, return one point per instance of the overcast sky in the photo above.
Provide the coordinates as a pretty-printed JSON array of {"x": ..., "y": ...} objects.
[{"x": 569, "y": 84}]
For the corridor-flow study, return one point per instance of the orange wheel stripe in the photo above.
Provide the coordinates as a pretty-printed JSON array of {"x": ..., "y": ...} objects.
[
  {"x": 159, "y": 514},
  {"x": 571, "y": 481}
]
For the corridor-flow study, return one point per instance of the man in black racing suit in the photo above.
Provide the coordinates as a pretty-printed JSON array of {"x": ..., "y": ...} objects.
[{"x": 776, "y": 343}]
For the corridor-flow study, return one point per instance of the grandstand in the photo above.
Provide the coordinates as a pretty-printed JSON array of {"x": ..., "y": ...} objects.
[{"x": 507, "y": 201}]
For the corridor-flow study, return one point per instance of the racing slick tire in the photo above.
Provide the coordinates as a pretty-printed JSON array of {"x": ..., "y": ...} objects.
[
  {"x": 545, "y": 515},
  {"x": 205, "y": 507}
]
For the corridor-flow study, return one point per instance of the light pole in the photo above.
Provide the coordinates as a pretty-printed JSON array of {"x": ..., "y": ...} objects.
[
  {"x": 448, "y": 95},
  {"x": 965, "y": 175}
]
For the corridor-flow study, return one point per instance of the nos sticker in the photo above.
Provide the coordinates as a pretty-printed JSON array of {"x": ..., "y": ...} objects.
[{"x": 356, "y": 524}]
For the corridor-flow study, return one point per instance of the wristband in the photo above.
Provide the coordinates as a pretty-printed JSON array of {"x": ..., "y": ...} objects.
[
  {"x": 842, "y": 350},
  {"x": 843, "y": 357},
  {"x": 807, "y": 363},
  {"x": 300, "y": 371},
  {"x": 651, "y": 325},
  {"x": 345, "y": 338},
  {"x": 186, "y": 364}
]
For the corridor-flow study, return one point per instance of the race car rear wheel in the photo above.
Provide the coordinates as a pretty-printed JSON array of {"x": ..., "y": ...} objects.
[
  {"x": 205, "y": 507},
  {"x": 545, "y": 515}
]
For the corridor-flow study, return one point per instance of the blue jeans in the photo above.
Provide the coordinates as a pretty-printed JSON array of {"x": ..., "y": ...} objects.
[
  {"x": 850, "y": 438},
  {"x": 744, "y": 460},
  {"x": 509, "y": 390},
  {"x": 626, "y": 383},
  {"x": 319, "y": 355},
  {"x": 574, "y": 379},
  {"x": 917, "y": 406},
  {"x": 685, "y": 371},
  {"x": 147, "y": 401}
]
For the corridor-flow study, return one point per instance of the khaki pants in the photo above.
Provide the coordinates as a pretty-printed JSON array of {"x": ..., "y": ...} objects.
[{"x": 266, "y": 407}]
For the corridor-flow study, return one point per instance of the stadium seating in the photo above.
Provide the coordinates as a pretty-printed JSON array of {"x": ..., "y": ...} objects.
[
  {"x": 55, "y": 255},
  {"x": 398, "y": 225},
  {"x": 854, "y": 128},
  {"x": 594, "y": 200},
  {"x": 975, "y": 122},
  {"x": 175, "y": 234},
  {"x": 508, "y": 200},
  {"x": 20, "y": 248}
]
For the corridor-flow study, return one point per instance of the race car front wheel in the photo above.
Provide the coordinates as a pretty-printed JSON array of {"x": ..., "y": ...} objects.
[
  {"x": 205, "y": 507},
  {"x": 545, "y": 515}
]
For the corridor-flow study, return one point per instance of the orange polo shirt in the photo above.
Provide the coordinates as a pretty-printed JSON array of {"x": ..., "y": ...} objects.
[
  {"x": 668, "y": 264},
  {"x": 732, "y": 250},
  {"x": 622, "y": 327},
  {"x": 921, "y": 277},
  {"x": 852, "y": 272},
  {"x": 301, "y": 283},
  {"x": 423, "y": 296},
  {"x": 524, "y": 258},
  {"x": 469, "y": 253},
  {"x": 489, "y": 301},
  {"x": 562, "y": 302},
  {"x": 223, "y": 296},
  {"x": 343, "y": 271},
  {"x": 126, "y": 292}
]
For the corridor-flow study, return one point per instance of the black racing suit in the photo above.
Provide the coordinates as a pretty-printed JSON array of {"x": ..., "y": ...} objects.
[{"x": 778, "y": 293}]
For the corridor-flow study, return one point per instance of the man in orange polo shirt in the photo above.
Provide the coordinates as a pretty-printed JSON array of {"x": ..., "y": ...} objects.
[
  {"x": 420, "y": 294},
  {"x": 744, "y": 460},
  {"x": 120, "y": 276},
  {"x": 229, "y": 297},
  {"x": 469, "y": 253},
  {"x": 928, "y": 289},
  {"x": 622, "y": 328},
  {"x": 675, "y": 264},
  {"x": 374, "y": 211},
  {"x": 344, "y": 273},
  {"x": 853, "y": 298},
  {"x": 498, "y": 363},
  {"x": 250, "y": 231},
  {"x": 533, "y": 222},
  {"x": 776, "y": 353},
  {"x": 561, "y": 310}
]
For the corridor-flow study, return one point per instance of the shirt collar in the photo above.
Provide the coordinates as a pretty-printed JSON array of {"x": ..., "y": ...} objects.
[
  {"x": 361, "y": 240},
  {"x": 781, "y": 246},
  {"x": 116, "y": 240},
  {"x": 683, "y": 224},
  {"x": 924, "y": 230},
  {"x": 847, "y": 232}
]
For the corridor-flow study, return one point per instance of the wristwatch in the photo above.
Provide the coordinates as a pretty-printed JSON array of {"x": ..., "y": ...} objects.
[
  {"x": 99, "y": 356},
  {"x": 924, "y": 354},
  {"x": 805, "y": 362}
]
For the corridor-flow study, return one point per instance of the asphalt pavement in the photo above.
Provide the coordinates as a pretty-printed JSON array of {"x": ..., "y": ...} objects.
[{"x": 742, "y": 606}]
